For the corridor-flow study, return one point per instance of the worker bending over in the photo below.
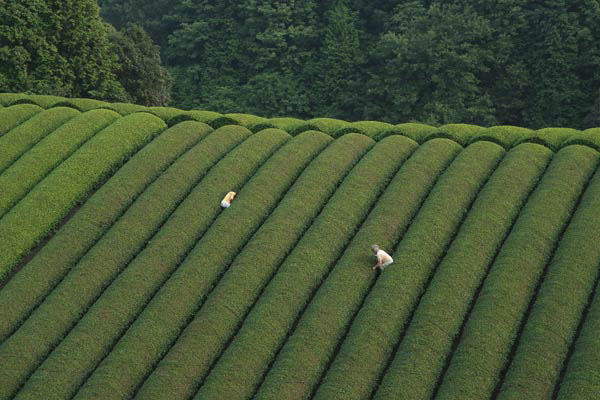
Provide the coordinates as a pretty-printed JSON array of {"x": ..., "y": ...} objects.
[
  {"x": 226, "y": 202},
  {"x": 383, "y": 258}
]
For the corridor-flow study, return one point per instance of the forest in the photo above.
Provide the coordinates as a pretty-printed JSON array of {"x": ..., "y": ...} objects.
[{"x": 528, "y": 63}]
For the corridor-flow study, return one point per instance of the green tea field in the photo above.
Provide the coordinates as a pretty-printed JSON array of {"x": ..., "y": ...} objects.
[{"x": 122, "y": 277}]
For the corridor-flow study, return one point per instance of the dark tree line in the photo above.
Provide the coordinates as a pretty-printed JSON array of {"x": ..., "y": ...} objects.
[
  {"x": 62, "y": 47},
  {"x": 527, "y": 63},
  {"x": 437, "y": 61}
]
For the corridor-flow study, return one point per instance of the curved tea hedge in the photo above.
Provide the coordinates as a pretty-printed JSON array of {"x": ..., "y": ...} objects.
[
  {"x": 35, "y": 216},
  {"x": 22, "y": 137},
  {"x": 213, "y": 256},
  {"x": 37, "y": 278},
  {"x": 541, "y": 353},
  {"x": 463, "y": 134},
  {"x": 121, "y": 276},
  {"x": 13, "y": 116},
  {"x": 267, "y": 249},
  {"x": 29, "y": 169},
  {"x": 426, "y": 237},
  {"x": 259, "y": 145},
  {"x": 442, "y": 308}
]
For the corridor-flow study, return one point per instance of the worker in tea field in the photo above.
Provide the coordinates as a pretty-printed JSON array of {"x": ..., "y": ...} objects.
[
  {"x": 383, "y": 258},
  {"x": 226, "y": 202}
]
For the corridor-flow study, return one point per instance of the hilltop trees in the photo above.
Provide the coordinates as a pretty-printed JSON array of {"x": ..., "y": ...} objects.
[
  {"x": 139, "y": 71},
  {"x": 431, "y": 65},
  {"x": 156, "y": 17},
  {"x": 336, "y": 83},
  {"x": 507, "y": 79},
  {"x": 514, "y": 62},
  {"x": 63, "y": 48},
  {"x": 280, "y": 40},
  {"x": 592, "y": 119},
  {"x": 482, "y": 61},
  {"x": 546, "y": 69},
  {"x": 243, "y": 55},
  {"x": 207, "y": 55},
  {"x": 56, "y": 47},
  {"x": 551, "y": 48}
]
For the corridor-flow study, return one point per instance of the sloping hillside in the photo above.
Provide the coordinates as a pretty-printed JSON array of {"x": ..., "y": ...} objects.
[{"x": 122, "y": 276}]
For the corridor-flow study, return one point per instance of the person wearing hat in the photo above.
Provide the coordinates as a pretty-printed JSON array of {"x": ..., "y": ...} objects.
[
  {"x": 383, "y": 258},
  {"x": 226, "y": 202}
]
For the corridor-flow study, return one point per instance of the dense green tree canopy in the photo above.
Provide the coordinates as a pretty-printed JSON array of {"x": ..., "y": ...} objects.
[
  {"x": 336, "y": 89},
  {"x": 140, "y": 73},
  {"x": 64, "y": 48},
  {"x": 516, "y": 62},
  {"x": 432, "y": 62},
  {"x": 435, "y": 61},
  {"x": 56, "y": 47}
]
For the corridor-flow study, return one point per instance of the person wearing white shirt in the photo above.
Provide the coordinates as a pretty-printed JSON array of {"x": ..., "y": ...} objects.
[{"x": 383, "y": 258}]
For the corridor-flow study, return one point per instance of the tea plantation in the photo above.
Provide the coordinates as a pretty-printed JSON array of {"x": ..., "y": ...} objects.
[{"x": 122, "y": 277}]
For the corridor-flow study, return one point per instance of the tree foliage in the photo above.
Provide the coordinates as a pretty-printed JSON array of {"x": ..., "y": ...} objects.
[
  {"x": 431, "y": 64},
  {"x": 140, "y": 73},
  {"x": 155, "y": 16},
  {"x": 336, "y": 87},
  {"x": 512, "y": 62},
  {"x": 592, "y": 119},
  {"x": 483, "y": 62},
  {"x": 56, "y": 47}
]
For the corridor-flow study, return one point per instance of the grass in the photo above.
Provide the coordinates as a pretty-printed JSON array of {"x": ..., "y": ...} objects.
[
  {"x": 541, "y": 353},
  {"x": 212, "y": 256},
  {"x": 122, "y": 277},
  {"x": 37, "y": 278},
  {"x": 34, "y": 165},
  {"x": 69, "y": 183},
  {"x": 238, "y": 370},
  {"x": 11, "y": 117},
  {"x": 440, "y": 312},
  {"x": 485, "y": 344},
  {"x": 21, "y": 138}
]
